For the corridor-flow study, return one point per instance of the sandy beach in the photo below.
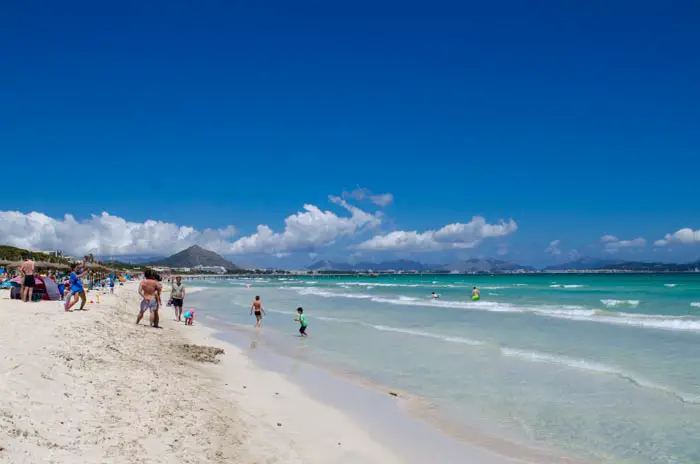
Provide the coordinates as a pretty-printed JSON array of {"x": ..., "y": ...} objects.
[{"x": 91, "y": 386}]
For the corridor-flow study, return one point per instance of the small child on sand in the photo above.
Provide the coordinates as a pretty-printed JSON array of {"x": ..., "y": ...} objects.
[
  {"x": 302, "y": 320},
  {"x": 189, "y": 316}
]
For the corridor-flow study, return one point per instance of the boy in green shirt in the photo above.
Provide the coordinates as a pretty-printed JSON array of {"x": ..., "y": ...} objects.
[{"x": 302, "y": 320}]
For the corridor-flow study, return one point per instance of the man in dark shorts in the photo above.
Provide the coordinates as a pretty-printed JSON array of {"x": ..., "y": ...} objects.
[
  {"x": 259, "y": 311},
  {"x": 177, "y": 296},
  {"x": 27, "y": 270}
]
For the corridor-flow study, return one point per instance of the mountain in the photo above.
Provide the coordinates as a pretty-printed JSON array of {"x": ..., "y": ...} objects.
[
  {"x": 196, "y": 256},
  {"x": 636, "y": 266},
  {"x": 584, "y": 264},
  {"x": 482, "y": 265},
  {"x": 325, "y": 265},
  {"x": 398, "y": 265}
]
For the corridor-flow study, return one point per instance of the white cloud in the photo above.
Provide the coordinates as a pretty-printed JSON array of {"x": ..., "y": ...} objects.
[
  {"x": 307, "y": 230},
  {"x": 613, "y": 244},
  {"x": 553, "y": 248},
  {"x": 502, "y": 249},
  {"x": 105, "y": 235},
  {"x": 382, "y": 199},
  {"x": 683, "y": 236},
  {"x": 451, "y": 236}
]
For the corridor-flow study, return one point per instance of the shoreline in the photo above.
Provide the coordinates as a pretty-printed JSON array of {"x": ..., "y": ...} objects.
[
  {"x": 411, "y": 420},
  {"x": 92, "y": 386}
]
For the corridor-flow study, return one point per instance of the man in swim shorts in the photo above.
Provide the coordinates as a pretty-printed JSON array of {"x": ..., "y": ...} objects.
[
  {"x": 27, "y": 270},
  {"x": 259, "y": 311},
  {"x": 149, "y": 289},
  {"x": 476, "y": 294}
]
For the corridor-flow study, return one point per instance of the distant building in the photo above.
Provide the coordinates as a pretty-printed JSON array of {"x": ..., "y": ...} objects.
[{"x": 214, "y": 269}]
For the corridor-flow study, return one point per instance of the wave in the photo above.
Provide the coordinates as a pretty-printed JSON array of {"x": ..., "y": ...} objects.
[
  {"x": 695, "y": 304},
  {"x": 532, "y": 356},
  {"x": 614, "y": 303},
  {"x": 570, "y": 312},
  {"x": 582, "y": 364},
  {"x": 419, "y": 333},
  {"x": 555, "y": 285},
  {"x": 670, "y": 285}
]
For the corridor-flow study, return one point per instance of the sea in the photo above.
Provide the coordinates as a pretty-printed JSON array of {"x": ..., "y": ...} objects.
[{"x": 603, "y": 368}]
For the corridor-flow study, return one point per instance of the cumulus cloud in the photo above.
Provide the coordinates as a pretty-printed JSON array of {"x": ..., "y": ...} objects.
[
  {"x": 682, "y": 236},
  {"x": 382, "y": 199},
  {"x": 613, "y": 244},
  {"x": 105, "y": 235},
  {"x": 451, "y": 236},
  {"x": 553, "y": 248},
  {"x": 307, "y": 230}
]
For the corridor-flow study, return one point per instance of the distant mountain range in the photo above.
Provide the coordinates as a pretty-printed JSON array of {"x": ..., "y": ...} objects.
[
  {"x": 488, "y": 265},
  {"x": 584, "y": 264},
  {"x": 399, "y": 265},
  {"x": 483, "y": 265},
  {"x": 471, "y": 265},
  {"x": 196, "y": 256}
]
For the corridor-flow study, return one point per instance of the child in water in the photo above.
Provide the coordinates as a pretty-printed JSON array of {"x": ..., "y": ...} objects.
[{"x": 302, "y": 320}]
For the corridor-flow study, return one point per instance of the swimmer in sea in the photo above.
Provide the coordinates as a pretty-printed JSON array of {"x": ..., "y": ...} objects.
[
  {"x": 476, "y": 294},
  {"x": 259, "y": 311},
  {"x": 435, "y": 295}
]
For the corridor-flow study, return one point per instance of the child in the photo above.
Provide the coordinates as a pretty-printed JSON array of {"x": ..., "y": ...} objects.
[
  {"x": 302, "y": 320},
  {"x": 189, "y": 316}
]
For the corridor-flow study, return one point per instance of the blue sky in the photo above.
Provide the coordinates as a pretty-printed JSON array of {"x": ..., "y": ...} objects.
[{"x": 575, "y": 121}]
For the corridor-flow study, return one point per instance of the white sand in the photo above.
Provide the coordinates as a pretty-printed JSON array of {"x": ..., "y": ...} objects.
[{"x": 92, "y": 387}]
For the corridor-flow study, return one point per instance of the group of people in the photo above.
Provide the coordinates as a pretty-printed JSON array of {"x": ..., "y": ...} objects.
[
  {"x": 476, "y": 294},
  {"x": 71, "y": 288},
  {"x": 150, "y": 290},
  {"x": 259, "y": 310}
]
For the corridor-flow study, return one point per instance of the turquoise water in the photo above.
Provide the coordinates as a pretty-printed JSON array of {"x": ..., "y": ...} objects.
[{"x": 602, "y": 367}]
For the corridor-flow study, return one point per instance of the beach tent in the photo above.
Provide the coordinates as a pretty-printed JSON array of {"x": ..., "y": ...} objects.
[
  {"x": 52, "y": 290},
  {"x": 41, "y": 288}
]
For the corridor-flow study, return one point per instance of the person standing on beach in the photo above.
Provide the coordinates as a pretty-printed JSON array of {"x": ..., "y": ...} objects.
[
  {"x": 76, "y": 287},
  {"x": 177, "y": 295},
  {"x": 149, "y": 289},
  {"x": 259, "y": 311},
  {"x": 27, "y": 271}
]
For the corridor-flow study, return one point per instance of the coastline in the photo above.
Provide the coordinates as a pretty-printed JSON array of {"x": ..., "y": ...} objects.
[
  {"x": 94, "y": 387},
  {"x": 407, "y": 425}
]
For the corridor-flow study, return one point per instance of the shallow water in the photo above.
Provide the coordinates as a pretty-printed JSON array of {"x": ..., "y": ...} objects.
[{"x": 603, "y": 367}]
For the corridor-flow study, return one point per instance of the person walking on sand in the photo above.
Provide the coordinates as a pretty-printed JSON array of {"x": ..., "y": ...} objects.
[
  {"x": 177, "y": 295},
  {"x": 28, "y": 281},
  {"x": 259, "y": 311},
  {"x": 149, "y": 289},
  {"x": 76, "y": 288}
]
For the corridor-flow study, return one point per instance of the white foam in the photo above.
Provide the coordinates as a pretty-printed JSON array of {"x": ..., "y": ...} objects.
[
  {"x": 614, "y": 303},
  {"x": 554, "y": 285},
  {"x": 420, "y": 333},
  {"x": 670, "y": 285},
  {"x": 573, "y": 313},
  {"x": 695, "y": 304}
]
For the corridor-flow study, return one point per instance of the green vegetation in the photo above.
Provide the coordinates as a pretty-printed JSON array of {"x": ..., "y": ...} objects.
[{"x": 17, "y": 254}]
